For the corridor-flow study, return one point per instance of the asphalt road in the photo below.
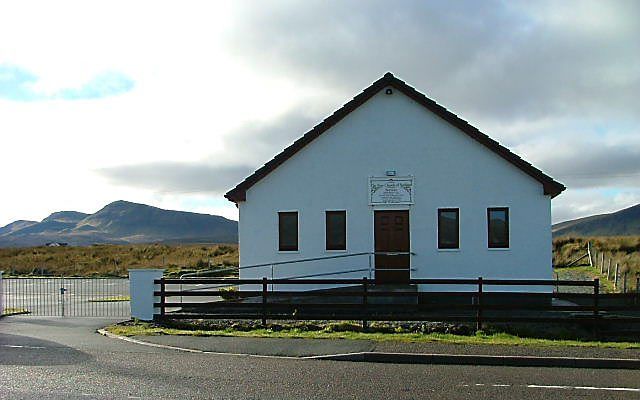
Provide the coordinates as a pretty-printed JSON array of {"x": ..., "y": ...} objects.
[{"x": 53, "y": 358}]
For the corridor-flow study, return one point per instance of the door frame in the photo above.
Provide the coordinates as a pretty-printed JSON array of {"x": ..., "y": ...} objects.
[{"x": 373, "y": 233}]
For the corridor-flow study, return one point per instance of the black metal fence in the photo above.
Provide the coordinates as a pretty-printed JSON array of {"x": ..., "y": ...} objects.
[
  {"x": 475, "y": 300},
  {"x": 67, "y": 297}
]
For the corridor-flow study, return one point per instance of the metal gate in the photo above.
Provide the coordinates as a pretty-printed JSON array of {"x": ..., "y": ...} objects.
[{"x": 67, "y": 297}]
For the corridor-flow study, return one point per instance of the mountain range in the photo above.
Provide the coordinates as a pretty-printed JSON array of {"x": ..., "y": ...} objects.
[
  {"x": 120, "y": 222},
  {"x": 620, "y": 223},
  {"x": 124, "y": 222}
]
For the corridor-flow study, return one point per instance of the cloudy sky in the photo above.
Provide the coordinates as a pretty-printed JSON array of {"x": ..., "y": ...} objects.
[{"x": 172, "y": 103}]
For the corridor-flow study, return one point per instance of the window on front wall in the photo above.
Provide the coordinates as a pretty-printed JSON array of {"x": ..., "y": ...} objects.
[
  {"x": 288, "y": 231},
  {"x": 498, "y": 227},
  {"x": 448, "y": 228},
  {"x": 336, "y": 230}
]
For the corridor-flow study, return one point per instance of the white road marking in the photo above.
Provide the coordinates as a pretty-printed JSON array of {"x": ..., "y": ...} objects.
[
  {"x": 566, "y": 387},
  {"x": 15, "y": 346},
  {"x": 561, "y": 387}
]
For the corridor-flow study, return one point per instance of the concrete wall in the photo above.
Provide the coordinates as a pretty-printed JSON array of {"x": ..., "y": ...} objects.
[
  {"x": 392, "y": 132},
  {"x": 141, "y": 288}
]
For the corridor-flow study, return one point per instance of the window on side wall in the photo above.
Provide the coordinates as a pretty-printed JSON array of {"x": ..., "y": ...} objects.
[
  {"x": 288, "y": 231},
  {"x": 498, "y": 227},
  {"x": 336, "y": 230},
  {"x": 448, "y": 228}
]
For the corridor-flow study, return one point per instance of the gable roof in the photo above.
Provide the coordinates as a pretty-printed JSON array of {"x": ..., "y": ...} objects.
[{"x": 550, "y": 186}]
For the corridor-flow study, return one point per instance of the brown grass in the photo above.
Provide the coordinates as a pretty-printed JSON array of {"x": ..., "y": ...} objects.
[
  {"x": 114, "y": 260},
  {"x": 623, "y": 250}
]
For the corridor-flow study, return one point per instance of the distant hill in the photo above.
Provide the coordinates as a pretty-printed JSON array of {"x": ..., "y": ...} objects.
[
  {"x": 121, "y": 222},
  {"x": 620, "y": 223},
  {"x": 16, "y": 225},
  {"x": 66, "y": 216}
]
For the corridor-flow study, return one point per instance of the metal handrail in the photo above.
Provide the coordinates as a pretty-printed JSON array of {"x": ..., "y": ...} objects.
[
  {"x": 218, "y": 286},
  {"x": 198, "y": 273},
  {"x": 275, "y": 264},
  {"x": 374, "y": 253}
]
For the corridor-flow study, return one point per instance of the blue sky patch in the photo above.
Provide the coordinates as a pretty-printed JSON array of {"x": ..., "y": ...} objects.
[
  {"x": 103, "y": 85},
  {"x": 17, "y": 84}
]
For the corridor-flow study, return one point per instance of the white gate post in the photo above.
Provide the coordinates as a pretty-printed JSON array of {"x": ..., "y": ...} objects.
[
  {"x": 141, "y": 288},
  {"x": 1, "y": 295}
]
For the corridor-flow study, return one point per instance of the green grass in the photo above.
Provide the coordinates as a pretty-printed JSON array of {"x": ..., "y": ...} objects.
[
  {"x": 14, "y": 311},
  {"x": 110, "y": 299},
  {"x": 480, "y": 338}
]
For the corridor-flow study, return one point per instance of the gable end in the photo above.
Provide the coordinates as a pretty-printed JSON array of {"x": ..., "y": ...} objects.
[{"x": 551, "y": 187}]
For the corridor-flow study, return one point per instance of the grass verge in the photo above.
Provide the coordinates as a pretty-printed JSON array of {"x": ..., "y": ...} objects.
[
  {"x": 480, "y": 338},
  {"x": 110, "y": 299},
  {"x": 14, "y": 311}
]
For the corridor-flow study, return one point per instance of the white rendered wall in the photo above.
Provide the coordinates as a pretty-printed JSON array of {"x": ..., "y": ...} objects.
[
  {"x": 392, "y": 132},
  {"x": 141, "y": 288},
  {"x": 1, "y": 295}
]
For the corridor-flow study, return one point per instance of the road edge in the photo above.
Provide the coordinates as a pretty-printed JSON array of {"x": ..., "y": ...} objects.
[
  {"x": 425, "y": 358},
  {"x": 488, "y": 360}
]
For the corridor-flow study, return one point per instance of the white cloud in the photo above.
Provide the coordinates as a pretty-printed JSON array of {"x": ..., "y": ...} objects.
[{"x": 227, "y": 83}]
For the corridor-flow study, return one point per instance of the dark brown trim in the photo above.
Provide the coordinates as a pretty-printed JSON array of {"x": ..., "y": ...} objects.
[
  {"x": 550, "y": 186},
  {"x": 502, "y": 245},
  {"x": 455, "y": 245}
]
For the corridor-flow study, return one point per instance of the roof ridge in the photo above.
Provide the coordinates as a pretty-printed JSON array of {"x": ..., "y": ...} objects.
[{"x": 551, "y": 187}]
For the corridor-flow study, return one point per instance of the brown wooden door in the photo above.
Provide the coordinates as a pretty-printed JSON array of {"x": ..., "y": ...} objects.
[{"x": 391, "y": 234}]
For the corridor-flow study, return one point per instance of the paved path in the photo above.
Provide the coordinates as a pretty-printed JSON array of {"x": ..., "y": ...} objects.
[{"x": 46, "y": 358}]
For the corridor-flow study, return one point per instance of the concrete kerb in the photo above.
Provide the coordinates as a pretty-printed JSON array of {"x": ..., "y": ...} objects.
[
  {"x": 433, "y": 359},
  {"x": 488, "y": 360},
  {"x": 108, "y": 334}
]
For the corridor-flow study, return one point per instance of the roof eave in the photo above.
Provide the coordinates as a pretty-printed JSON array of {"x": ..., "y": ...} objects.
[{"x": 551, "y": 187}]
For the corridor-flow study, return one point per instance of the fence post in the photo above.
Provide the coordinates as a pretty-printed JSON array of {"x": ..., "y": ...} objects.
[
  {"x": 596, "y": 311},
  {"x": 272, "y": 277},
  {"x": 589, "y": 253},
  {"x": 637, "y": 296},
  {"x": 163, "y": 298},
  {"x": 365, "y": 301},
  {"x": 601, "y": 265},
  {"x": 608, "y": 268},
  {"x": 602, "y": 262},
  {"x": 615, "y": 278},
  {"x": 141, "y": 289},
  {"x": 479, "y": 311},
  {"x": 264, "y": 301},
  {"x": 624, "y": 282}
]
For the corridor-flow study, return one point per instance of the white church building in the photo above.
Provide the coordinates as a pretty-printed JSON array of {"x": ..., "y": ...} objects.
[{"x": 393, "y": 186}]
